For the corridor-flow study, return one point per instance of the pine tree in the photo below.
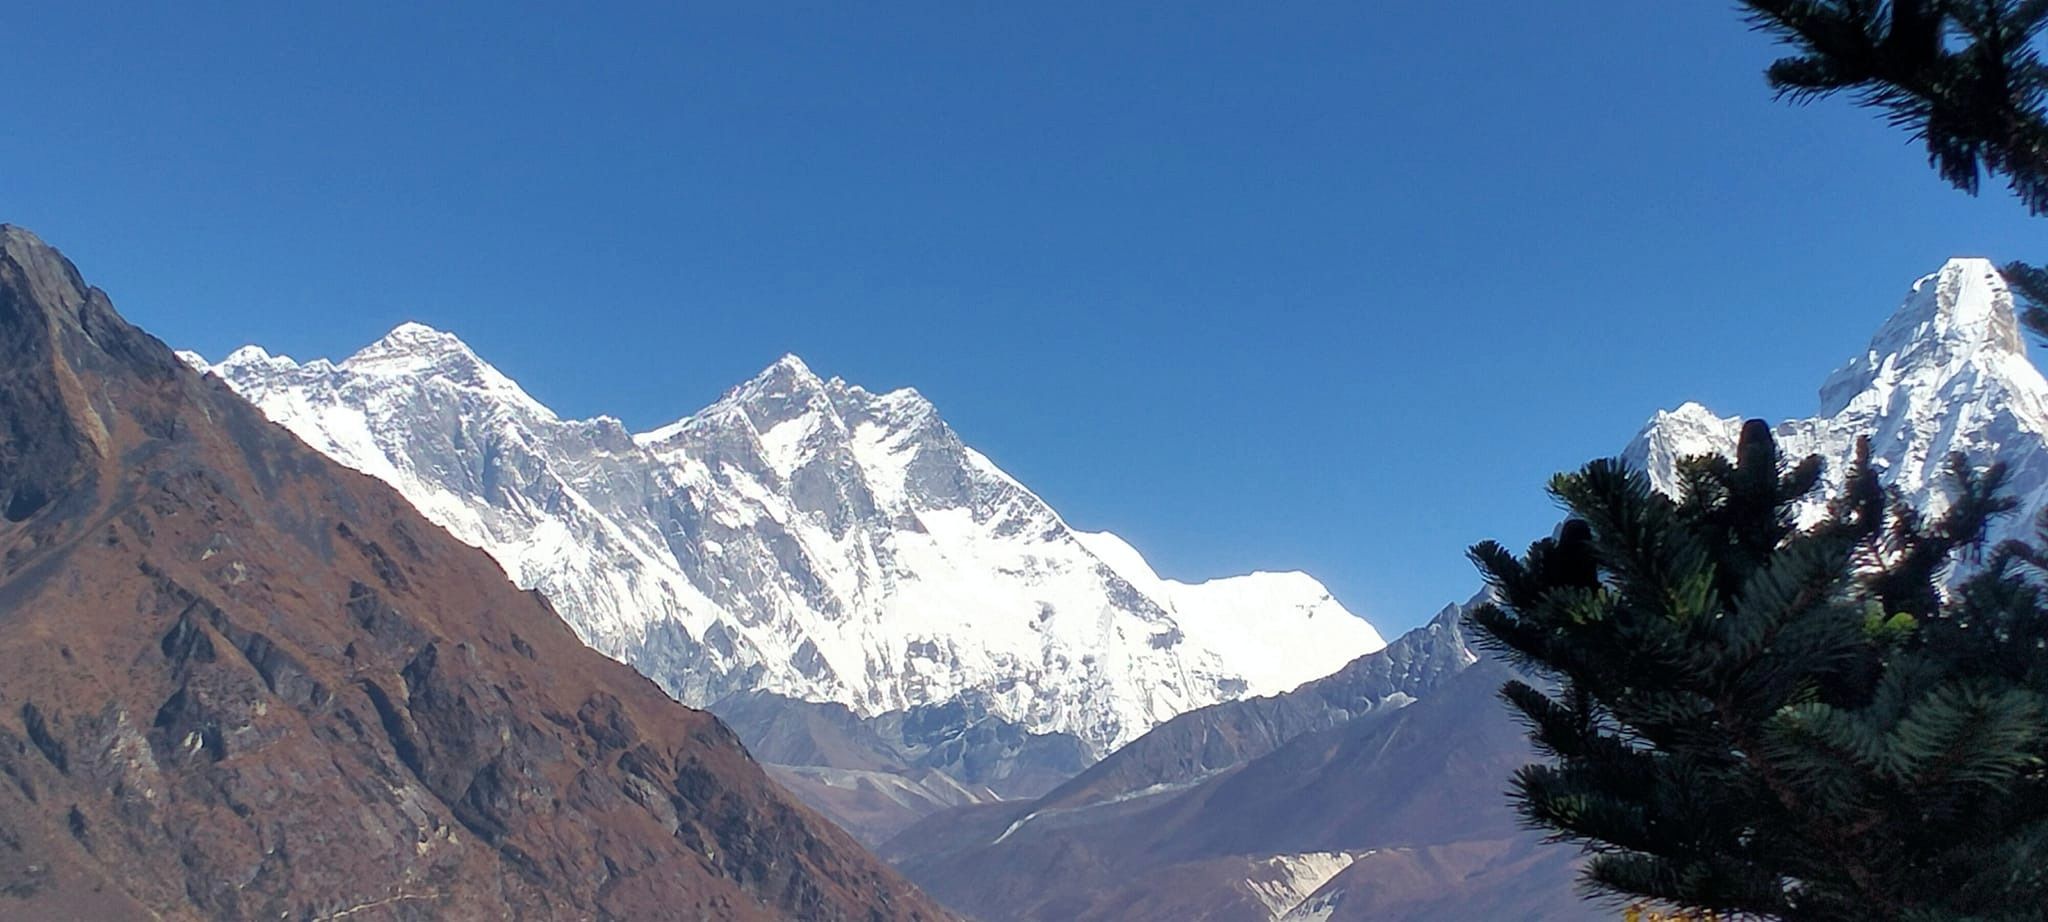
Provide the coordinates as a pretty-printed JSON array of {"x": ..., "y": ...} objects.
[
  {"x": 1965, "y": 76},
  {"x": 1742, "y": 716}
]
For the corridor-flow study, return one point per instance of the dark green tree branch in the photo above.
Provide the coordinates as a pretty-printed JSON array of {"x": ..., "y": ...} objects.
[
  {"x": 1741, "y": 716},
  {"x": 1966, "y": 77}
]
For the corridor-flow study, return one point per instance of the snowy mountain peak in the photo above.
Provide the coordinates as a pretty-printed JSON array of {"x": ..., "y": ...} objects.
[
  {"x": 788, "y": 374},
  {"x": 411, "y": 345},
  {"x": 1961, "y": 315},
  {"x": 419, "y": 353},
  {"x": 811, "y": 539},
  {"x": 417, "y": 332},
  {"x": 1966, "y": 305},
  {"x": 784, "y": 391},
  {"x": 253, "y": 356},
  {"x": 1946, "y": 373},
  {"x": 790, "y": 364},
  {"x": 248, "y": 355}
]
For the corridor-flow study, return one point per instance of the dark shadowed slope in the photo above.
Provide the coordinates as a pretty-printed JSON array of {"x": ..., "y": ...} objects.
[
  {"x": 244, "y": 682},
  {"x": 1396, "y": 814},
  {"x": 1205, "y": 741}
]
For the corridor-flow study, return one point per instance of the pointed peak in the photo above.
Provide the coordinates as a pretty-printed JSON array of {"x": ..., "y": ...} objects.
[
  {"x": 23, "y": 246},
  {"x": 1688, "y": 424},
  {"x": 53, "y": 282},
  {"x": 784, "y": 390},
  {"x": 413, "y": 329},
  {"x": 789, "y": 369},
  {"x": 1687, "y": 430},
  {"x": 1961, "y": 267},
  {"x": 415, "y": 337},
  {"x": 415, "y": 350},
  {"x": 1689, "y": 411},
  {"x": 1962, "y": 312},
  {"x": 1966, "y": 305},
  {"x": 778, "y": 390},
  {"x": 411, "y": 346},
  {"x": 253, "y": 356}
]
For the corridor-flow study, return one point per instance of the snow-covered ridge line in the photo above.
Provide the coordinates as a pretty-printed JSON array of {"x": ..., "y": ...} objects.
[{"x": 803, "y": 536}]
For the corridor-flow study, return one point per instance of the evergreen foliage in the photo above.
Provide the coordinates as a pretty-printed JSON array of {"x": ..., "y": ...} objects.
[
  {"x": 1965, "y": 76},
  {"x": 2030, "y": 289},
  {"x": 1739, "y": 715}
]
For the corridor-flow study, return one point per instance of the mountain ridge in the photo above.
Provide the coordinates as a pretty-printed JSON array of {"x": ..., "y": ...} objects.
[{"x": 801, "y": 536}]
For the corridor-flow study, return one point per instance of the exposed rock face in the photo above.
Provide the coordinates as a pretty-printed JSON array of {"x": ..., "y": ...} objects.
[
  {"x": 245, "y": 682},
  {"x": 807, "y": 538}
]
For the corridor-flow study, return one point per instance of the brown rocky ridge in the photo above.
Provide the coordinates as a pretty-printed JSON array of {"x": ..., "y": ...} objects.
[{"x": 242, "y": 681}]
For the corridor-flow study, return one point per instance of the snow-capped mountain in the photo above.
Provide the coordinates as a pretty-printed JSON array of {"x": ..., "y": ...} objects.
[
  {"x": 803, "y": 537},
  {"x": 1948, "y": 372}
]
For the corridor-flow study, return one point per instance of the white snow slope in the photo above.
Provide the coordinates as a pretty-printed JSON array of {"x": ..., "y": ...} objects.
[
  {"x": 1947, "y": 373},
  {"x": 804, "y": 537}
]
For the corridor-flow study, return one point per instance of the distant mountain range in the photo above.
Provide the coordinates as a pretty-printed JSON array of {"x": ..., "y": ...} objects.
[
  {"x": 805, "y": 538},
  {"x": 886, "y": 617}
]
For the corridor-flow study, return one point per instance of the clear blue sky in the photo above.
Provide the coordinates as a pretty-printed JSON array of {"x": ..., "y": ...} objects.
[{"x": 1330, "y": 286}]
